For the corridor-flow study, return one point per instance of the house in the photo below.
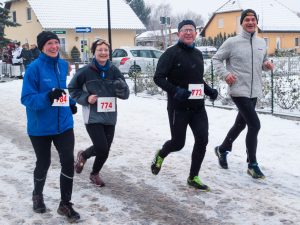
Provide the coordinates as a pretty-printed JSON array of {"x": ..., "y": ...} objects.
[
  {"x": 157, "y": 38},
  {"x": 160, "y": 38},
  {"x": 277, "y": 24},
  {"x": 76, "y": 22}
]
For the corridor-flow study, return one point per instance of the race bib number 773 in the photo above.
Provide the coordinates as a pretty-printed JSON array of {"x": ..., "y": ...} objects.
[{"x": 197, "y": 91}]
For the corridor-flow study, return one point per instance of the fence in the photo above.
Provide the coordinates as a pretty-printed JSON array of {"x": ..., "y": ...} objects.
[{"x": 281, "y": 87}]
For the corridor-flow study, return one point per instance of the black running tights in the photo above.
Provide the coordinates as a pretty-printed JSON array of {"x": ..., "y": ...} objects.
[
  {"x": 246, "y": 116},
  {"x": 64, "y": 144}
]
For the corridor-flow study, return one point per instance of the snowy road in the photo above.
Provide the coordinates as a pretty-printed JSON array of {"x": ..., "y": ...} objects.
[{"x": 132, "y": 194}]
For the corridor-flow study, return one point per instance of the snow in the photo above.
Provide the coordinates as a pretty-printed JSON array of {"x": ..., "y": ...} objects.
[{"x": 133, "y": 195}]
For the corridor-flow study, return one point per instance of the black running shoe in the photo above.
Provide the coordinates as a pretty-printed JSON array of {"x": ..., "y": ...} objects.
[
  {"x": 156, "y": 163},
  {"x": 222, "y": 156},
  {"x": 255, "y": 172},
  {"x": 38, "y": 203},
  {"x": 66, "y": 209}
]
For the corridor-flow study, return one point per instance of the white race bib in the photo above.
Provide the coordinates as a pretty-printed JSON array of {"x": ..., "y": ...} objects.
[
  {"x": 63, "y": 100},
  {"x": 106, "y": 104},
  {"x": 197, "y": 91}
]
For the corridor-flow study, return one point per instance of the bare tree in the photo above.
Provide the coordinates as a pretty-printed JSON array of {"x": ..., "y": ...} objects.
[
  {"x": 162, "y": 9},
  {"x": 197, "y": 18}
]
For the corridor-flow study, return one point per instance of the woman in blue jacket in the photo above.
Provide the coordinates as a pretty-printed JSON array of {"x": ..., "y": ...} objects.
[{"x": 49, "y": 119}]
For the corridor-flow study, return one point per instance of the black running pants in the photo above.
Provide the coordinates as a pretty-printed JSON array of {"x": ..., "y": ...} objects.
[
  {"x": 64, "y": 144},
  {"x": 198, "y": 122},
  {"x": 246, "y": 116},
  {"x": 102, "y": 137}
]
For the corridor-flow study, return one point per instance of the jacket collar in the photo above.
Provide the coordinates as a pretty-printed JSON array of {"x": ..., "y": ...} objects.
[
  {"x": 49, "y": 59},
  {"x": 247, "y": 35}
]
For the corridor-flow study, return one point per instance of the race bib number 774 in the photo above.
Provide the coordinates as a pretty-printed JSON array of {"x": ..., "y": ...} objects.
[{"x": 106, "y": 104}]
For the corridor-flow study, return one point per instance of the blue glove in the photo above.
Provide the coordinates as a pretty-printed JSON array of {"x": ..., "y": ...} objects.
[{"x": 182, "y": 94}]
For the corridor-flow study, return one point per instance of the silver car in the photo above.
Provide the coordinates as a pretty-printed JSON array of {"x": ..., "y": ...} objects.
[{"x": 136, "y": 59}]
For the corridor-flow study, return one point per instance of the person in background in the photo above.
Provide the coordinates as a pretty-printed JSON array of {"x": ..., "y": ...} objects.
[
  {"x": 17, "y": 60},
  {"x": 96, "y": 87},
  {"x": 35, "y": 51},
  {"x": 49, "y": 120},
  {"x": 26, "y": 55},
  {"x": 246, "y": 57},
  {"x": 179, "y": 72}
]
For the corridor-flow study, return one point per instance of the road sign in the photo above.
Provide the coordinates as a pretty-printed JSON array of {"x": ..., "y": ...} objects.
[
  {"x": 59, "y": 31},
  {"x": 83, "y": 29}
]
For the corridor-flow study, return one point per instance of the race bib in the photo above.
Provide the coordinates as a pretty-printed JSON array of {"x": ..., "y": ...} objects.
[
  {"x": 106, "y": 104},
  {"x": 63, "y": 100},
  {"x": 197, "y": 91}
]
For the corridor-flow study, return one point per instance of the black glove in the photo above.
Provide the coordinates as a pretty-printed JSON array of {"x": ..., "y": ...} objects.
[
  {"x": 120, "y": 84},
  {"x": 55, "y": 94},
  {"x": 182, "y": 94},
  {"x": 214, "y": 94},
  {"x": 73, "y": 109}
]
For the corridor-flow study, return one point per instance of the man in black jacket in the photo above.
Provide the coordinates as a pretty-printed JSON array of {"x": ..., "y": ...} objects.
[{"x": 179, "y": 72}]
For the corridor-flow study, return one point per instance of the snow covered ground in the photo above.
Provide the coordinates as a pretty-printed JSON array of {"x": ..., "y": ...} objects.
[{"x": 134, "y": 196}]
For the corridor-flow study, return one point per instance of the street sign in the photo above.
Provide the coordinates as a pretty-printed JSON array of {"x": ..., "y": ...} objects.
[
  {"x": 59, "y": 31},
  {"x": 83, "y": 29}
]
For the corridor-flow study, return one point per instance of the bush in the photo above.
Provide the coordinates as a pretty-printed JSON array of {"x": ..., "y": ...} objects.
[{"x": 75, "y": 54}]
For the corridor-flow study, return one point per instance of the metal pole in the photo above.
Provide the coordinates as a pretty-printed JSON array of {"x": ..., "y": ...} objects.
[
  {"x": 272, "y": 90},
  {"x": 109, "y": 30},
  {"x": 212, "y": 78}
]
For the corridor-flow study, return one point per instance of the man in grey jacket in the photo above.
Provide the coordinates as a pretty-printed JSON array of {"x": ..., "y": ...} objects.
[{"x": 246, "y": 57}]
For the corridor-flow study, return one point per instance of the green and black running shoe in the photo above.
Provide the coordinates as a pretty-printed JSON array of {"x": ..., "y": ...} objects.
[
  {"x": 255, "y": 172},
  {"x": 156, "y": 163},
  {"x": 196, "y": 183}
]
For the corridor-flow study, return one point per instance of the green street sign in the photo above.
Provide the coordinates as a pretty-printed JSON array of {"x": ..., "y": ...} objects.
[{"x": 59, "y": 31}]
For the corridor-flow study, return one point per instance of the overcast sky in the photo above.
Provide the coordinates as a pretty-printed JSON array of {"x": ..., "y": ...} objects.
[{"x": 207, "y": 7}]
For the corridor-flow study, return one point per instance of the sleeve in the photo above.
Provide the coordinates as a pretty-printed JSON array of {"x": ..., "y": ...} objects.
[
  {"x": 76, "y": 89},
  {"x": 163, "y": 69},
  {"x": 30, "y": 96},
  {"x": 124, "y": 93},
  {"x": 222, "y": 54}
]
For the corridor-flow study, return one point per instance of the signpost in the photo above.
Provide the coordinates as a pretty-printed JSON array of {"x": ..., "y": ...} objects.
[
  {"x": 59, "y": 31},
  {"x": 83, "y": 29}
]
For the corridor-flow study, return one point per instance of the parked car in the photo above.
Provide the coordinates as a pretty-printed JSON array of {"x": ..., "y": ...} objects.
[
  {"x": 207, "y": 51},
  {"x": 135, "y": 59}
]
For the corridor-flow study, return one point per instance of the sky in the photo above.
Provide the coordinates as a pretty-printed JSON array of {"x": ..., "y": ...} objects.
[
  {"x": 133, "y": 195},
  {"x": 207, "y": 7}
]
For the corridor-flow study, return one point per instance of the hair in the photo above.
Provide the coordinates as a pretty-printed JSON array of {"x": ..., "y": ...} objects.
[{"x": 98, "y": 42}]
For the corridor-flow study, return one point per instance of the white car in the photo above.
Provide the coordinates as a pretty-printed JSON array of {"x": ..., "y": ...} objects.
[{"x": 136, "y": 59}]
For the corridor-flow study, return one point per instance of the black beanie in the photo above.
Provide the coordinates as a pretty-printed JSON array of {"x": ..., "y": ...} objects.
[
  {"x": 186, "y": 22},
  {"x": 248, "y": 12},
  {"x": 45, "y": 36}
]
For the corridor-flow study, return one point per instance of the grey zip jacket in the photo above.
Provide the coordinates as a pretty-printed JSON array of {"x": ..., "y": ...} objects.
[
  {"x": 88, "y": 81},
  {"x": 244, "y": 55}
]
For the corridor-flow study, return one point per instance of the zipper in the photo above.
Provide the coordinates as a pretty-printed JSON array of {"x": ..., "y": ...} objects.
[
  {"x": 57, "y": 74},
  {"x": 252, "y": 66}
]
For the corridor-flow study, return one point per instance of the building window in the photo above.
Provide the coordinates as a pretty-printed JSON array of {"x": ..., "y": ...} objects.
[
  {"x": 278, "y": 43},
  {"x": 296, "y": 42},
  {"x": 28, "y": 12},
  {"x": 62, "y": 44},
  {"x": 221, "y": 23},
  {"x": 267, "y": 42},
  {"x": 14, "y": 16}
]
